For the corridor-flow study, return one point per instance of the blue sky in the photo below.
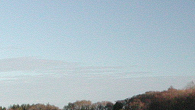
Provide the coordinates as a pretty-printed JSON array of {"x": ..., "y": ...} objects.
[{"x": 61, "y": 51}]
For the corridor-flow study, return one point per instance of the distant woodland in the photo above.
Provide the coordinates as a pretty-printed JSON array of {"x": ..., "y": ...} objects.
[{"x": 170, "y": 99}]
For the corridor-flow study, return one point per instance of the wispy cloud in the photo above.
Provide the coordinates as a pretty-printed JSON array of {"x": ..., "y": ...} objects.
[
  {"x": 32, "y": 64},
  {"x": 21, "y": 66},
  {"x": 36, "y": 65},
  {"x": 10, "y": 48}
]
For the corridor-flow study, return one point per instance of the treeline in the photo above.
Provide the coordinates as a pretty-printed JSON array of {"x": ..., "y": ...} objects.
[
  {"x": 78, "y": 105},
  {"x": 88, "y": 105},
  {"x": 31, "y": 107},
  {"x": 170, "y": 99}
]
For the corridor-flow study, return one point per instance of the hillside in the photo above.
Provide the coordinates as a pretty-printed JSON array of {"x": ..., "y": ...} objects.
[{"x": 171, "y": 99}]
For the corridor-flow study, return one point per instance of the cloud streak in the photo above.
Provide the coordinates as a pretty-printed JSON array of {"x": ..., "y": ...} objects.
[
  {"x": 36, "y": 65},
  {"x": 10, "y": 48},
  {"x": 33, "y": 66}
]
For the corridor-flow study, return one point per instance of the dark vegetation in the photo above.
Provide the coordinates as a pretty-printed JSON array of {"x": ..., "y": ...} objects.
[{"x": 171, "y": 99}]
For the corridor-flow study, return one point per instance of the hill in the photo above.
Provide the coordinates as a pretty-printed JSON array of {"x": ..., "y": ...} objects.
[{"x": 171, "y": 99}]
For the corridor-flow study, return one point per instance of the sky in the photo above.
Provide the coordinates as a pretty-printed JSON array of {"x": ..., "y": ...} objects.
[{"x": 60, "y": 51}]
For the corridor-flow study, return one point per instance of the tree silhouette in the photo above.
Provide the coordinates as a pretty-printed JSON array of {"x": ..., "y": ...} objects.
[{"x": 117, "y": 106}]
